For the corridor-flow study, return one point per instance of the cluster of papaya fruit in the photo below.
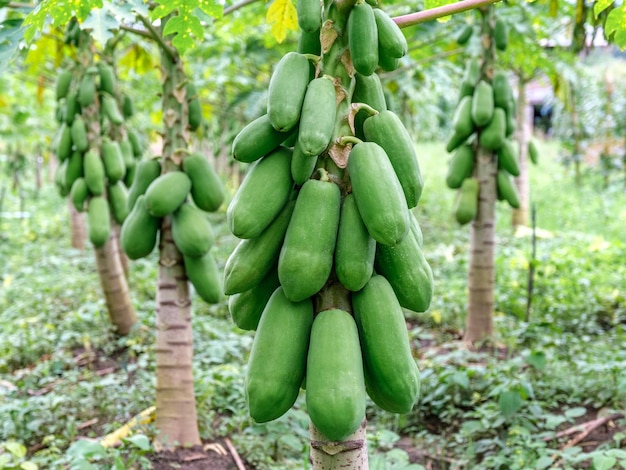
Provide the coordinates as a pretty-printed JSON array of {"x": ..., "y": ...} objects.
[
  {"x": 94, "y": 169},
  {"x": 485, "y": 118},
  {"x": 186, "y": 196},
  {"x": 329, "y": 254}
]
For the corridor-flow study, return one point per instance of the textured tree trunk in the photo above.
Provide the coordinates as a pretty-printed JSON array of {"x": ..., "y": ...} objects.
[
  {"x": 523, "y": 136},
  {"x": 176, "y": 416},
  {"x": 78, "y": 232},
  {"x": 115, "y": 234},
  {"x": 482, "y": 253},
  {"x": 115, "y": 288},
  {"x": 481, "y": 280},
  {"x": 349, "y": 454}
]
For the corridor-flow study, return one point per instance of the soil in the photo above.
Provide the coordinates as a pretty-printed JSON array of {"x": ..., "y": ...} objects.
[{"x": 218, "y": 455}]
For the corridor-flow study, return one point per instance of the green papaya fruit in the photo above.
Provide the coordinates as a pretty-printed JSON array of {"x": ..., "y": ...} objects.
[
  {"x": 262, "y": 194},
  {"x": 204, "y": 275},
  {"x": 94, "y": 172},
  {"x": 392, "y": 379},
  {"x": 127, "y": 152},
  {"x": 355, "y": 249},
  {"x": 254, "y": 257},
  {"x": 118, "y": 201},
  {"x": 74, "y": 168},
  {"x": 86, "y": 90},
  {"x": 128, "y": 108},
  {"x": 506, "y": 189},
  {"x": 467, "y": 201},
  {"x": 363, "y": 38},
  {"x": 462, "y": 121},
  {"x": 64, "y": 143},
  {"x": 64, "y": 80},
  {"x": 472, "y": 72},
  {"x": 207, "y": 190},
  {"x": 191, "y": 231},
  {"x": 78, "y": 131},
  {"x": 113, "y": 160},
  {"x": 493, "y": 136},
  {"x": 368, "y": 90},
  {"x": 111, "y": 110},
  {"x": 246, "y": 307},
  {"x": 135, "y": 142},
  {"x": 309, "y": 43},
  {"x": 386, "y": 129},
  {"x": 286, "y": 90},
  {"x": 387, "y": 62},
  {"x": 107, "y": 78},
  {"x": 502, "y": 92},
  {"x": 378, "y": 193},
  {"x": 167, "y": 193},
  {"x": 482, "y": 104},
  {"x": 391, "y": 40},
  {"x": 302, "y": 166},
  {"x": 317, "y": 119},
  {"x": 501, "y": 34},
  {"x": 147, "y": 172},
  {"x": 306, "y": 257},
  {"x": 507, "y": 158},
  {"x": 309, "y": 15},
  {"x": 278, "y": 357},
  {"x": 461, "y": 166},
  {"x": 335, "y": 386},
  {"x": 194, "y": 107},
  {"x": 257, "y": 139},
  {"x": 99, "y": 221},
  {"x": 407, "y": 270},
  {"x": 464, "y": 35},
  {"x": 79, "y": 193},
  {"x": 138, "y": 236},
  {"x": 533, "y": 153},
  {"x": 72, "y": 108}
]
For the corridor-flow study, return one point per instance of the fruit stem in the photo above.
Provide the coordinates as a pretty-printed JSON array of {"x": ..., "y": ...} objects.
[
  {"x": 349, "y": 139},
  {"x": 365, "y": 107}
]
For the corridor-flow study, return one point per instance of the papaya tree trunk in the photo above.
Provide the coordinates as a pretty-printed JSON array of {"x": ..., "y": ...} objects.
[
  {"x": 115, "y": 234},
  {"x": 351, "y": 453},
  {"x": 176, "y": 415},
  {"x": 78, "y": 232},
  {"x": 114, "y": 286},
  {"x": 524, "y": 132},
  {"x": 481, "y": 281}
]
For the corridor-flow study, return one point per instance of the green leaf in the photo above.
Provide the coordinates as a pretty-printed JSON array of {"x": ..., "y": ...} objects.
[
  {"x": 16, "y": 448},
  {"x": 575, "y": 412},
  {"x": 603, "y": 462},
  {"x": 509, "y": 402},
  {"x": 139, "y": 441},
  {"x": 600, "y": 6},
  {"x": 429, "y": 4},
  {"x": 29, "y": 466},
  {"x": 543, "y": 462},
  {"x": 537, "y": 359},
  {"x": 615, "y": 26},
  {"x": 84, "y": 448},
  {"x": 101, "y": 25}
]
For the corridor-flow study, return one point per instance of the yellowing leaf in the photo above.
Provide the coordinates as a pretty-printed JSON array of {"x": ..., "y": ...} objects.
[
  {"x": 282, "y": 16},
  {"x": 7, "y": 281}
]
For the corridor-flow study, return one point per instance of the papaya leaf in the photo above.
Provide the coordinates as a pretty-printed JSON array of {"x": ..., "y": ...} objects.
[
  {"x": 56, "y": 13},
  {"x": 600, "y": 6},
  {"x": 101, "y": 25},
  {"x": 428, "y": 4},
  {"x": 615, "y": 27},
  {"x": 282, "y": 16}
]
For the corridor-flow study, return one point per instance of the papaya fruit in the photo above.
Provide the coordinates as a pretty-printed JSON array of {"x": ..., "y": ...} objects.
[
  {"x": 462, "y": 121},
  {"x": 99, "y": 221},
  {"x": 533, "y": 153},
  {"x": 472, "y": 72},
  {"x": 317, "y": 119},
  {"x": 114, "y": 166},
  {"x": 86, "y": 90},
  {"x": 128, "y": 108},
  {"x": 467, "y": 201},
  {"x": 204, "y": 275},
  {"x": 64, "y": 142},
  {"x": 277, "y": 363},
  {"x": 64, "y": 80},
  {"x": 79, "y": 134},
  {"x": 118, "y": 201},
  {"x": 262, "y": 194},
  {"x": 287, "y": 87},
  {"x": 355, "y": 248},
  {"x": 79, "y": 193},
  {"x": 335, "y": 386},
  {"x": 501, "y": 34},
  {"x": 167, "y": 193},
  {"x": 482, "y": 104},
  {"x": 59, "y": 179},
  {"x": 72, "y": 108},
  {"x": 407, "y": 270},
  {"x": 246, "y": 307},
  {"x": 506, "y": 189},
  {"x": 378, "y": 193},
  {"x": 502, "y": 92},
  {"x": 194, "y": 108},
  {"x": 388, "y": 63},
  {"x": 147, "y": 171},
  {"x": 129, "y": 177},
  {"x": 386, "y": 129},
  {"x": 510, "y": 124},
  {"x": 302, "y": 166},
  {"x": 309, "y": 43},
  {"x": 363, "y": 38},
  {"x": 107, "y": 78},
  {"x": 368, "y": 90},
  {"x": 392, "y": 379},
  {"x": 207, "y": 190},
  {"x": 111, "y": 110},
  {"x": 74, "y": 168},
  {"x": 127, "y": 152},
  {"x": 191, "y": 231},
  {"x": 493, "y": 136},
  {"x": 391, "y": 40},
  {"x": 135, "y": 142},
  {"x": 59, "y": 113},
  {"x": 254, "y": 257},
  {"x": 461, "y": 166},
  {"x": 455, "y": 140},
  {"x": 94, "y": 172},
  {"x": 306, "y": 257},
  {"x": 138, "y": 236},
  {"x": 309, "y": 14},
  {"x": 257, "y": 139},
  {"x": 417, "y": 230},
  {"x": 507, "y": 158},
  {"x": 464, "y": 35}
]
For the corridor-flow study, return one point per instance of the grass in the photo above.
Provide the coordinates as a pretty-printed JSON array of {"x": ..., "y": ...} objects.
[{"x": 495, "y": 408}]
